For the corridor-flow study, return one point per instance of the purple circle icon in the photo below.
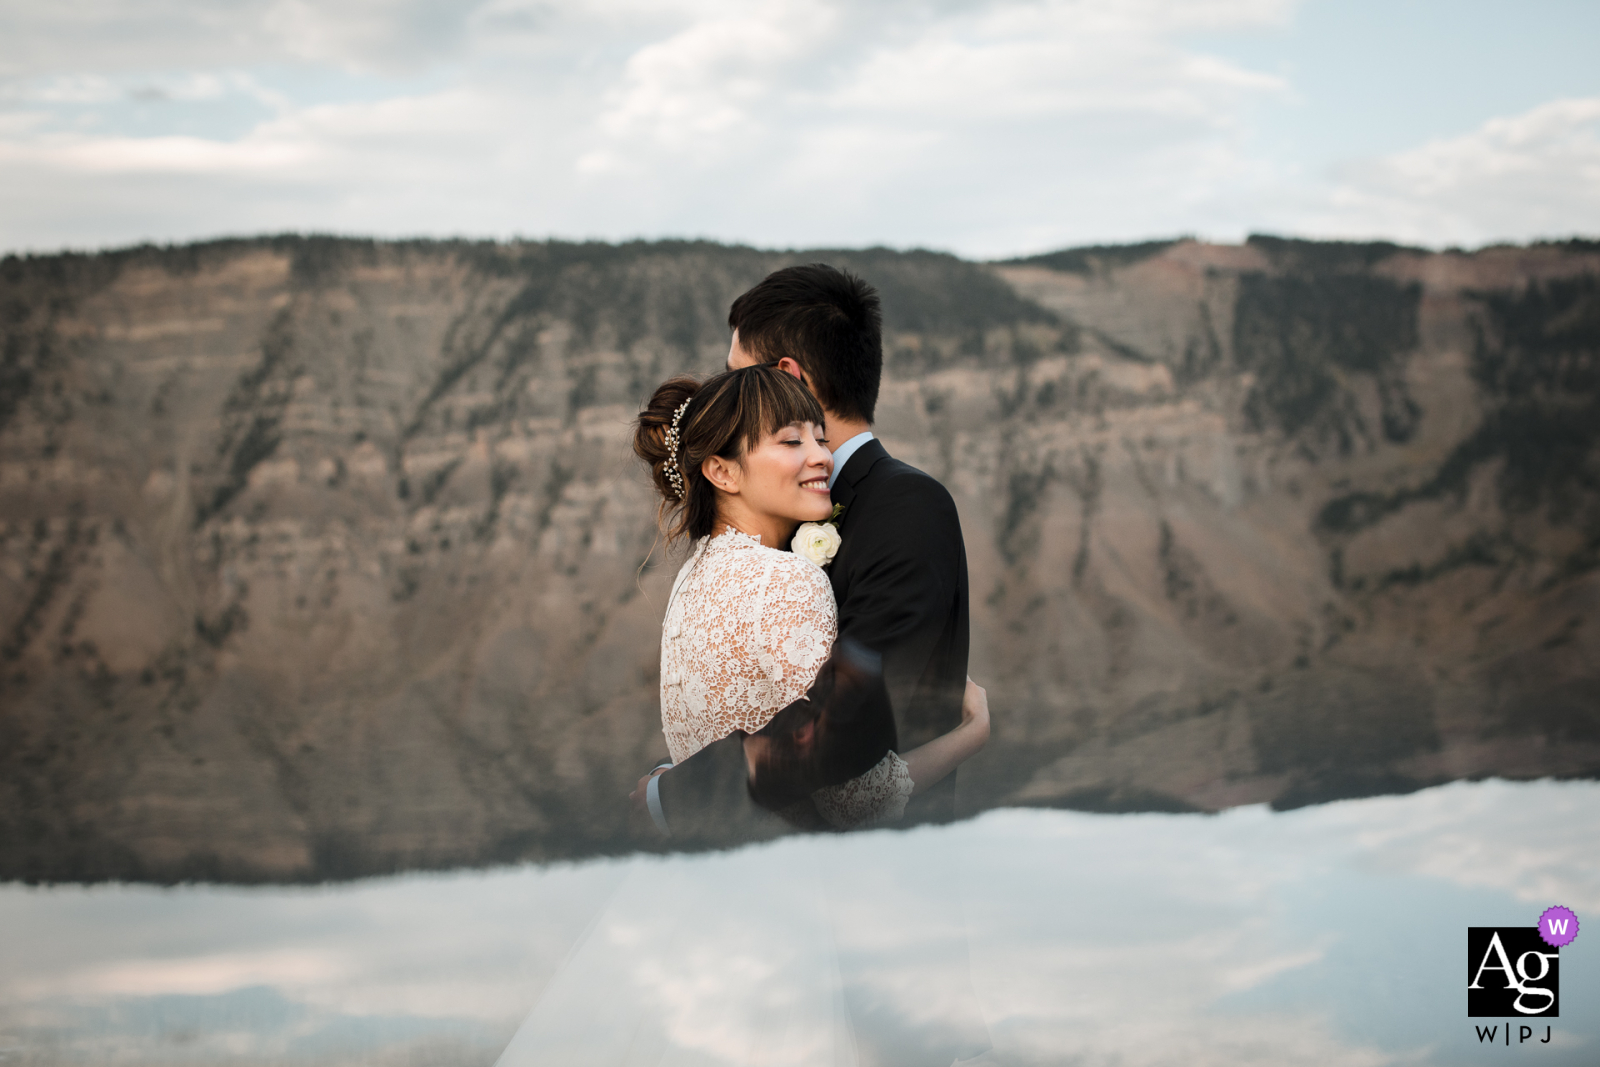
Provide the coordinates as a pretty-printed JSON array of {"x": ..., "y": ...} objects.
[{"x": 1558, "y": 926}]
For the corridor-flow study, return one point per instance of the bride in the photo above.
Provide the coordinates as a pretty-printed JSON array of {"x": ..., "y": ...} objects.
[
  {"x": 729, "y": 958},
  {"x": 740, "y": 462}
]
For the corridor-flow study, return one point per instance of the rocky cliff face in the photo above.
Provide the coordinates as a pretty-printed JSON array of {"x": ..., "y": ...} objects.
[{"x": 322, "y": 558}]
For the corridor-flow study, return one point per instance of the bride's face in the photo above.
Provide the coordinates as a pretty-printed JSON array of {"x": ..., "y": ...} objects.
[{"x": 784, "y": 476}]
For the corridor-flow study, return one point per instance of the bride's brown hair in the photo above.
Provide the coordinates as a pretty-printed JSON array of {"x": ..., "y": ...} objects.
[{"x": 722, "y": 416}]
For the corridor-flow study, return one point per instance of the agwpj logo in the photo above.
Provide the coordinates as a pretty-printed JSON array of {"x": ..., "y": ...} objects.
[{"x": 1515, "y": 971}]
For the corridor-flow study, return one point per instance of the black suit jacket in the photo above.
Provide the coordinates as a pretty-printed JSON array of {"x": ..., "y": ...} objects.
[{"x": 900, "y": 581}]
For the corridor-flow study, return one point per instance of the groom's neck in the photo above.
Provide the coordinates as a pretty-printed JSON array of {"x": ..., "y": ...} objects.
[{"x": 841, "y": 429}]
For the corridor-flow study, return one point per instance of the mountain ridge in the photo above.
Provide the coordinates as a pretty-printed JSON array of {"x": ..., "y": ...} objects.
[{"x": 325, "y": 557}]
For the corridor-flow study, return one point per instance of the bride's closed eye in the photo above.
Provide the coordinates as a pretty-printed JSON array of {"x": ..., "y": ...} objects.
[{"x": 791, "y": 435}]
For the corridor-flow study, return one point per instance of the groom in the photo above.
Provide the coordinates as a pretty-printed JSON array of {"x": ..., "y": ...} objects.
[{"x": 900, "y": 575}]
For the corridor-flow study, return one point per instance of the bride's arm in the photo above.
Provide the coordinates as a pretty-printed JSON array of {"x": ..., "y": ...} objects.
[{"x": 930, "y": 762}]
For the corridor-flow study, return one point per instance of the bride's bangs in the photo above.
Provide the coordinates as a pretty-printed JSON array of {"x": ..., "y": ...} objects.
[{"x": 772, "y": 400}]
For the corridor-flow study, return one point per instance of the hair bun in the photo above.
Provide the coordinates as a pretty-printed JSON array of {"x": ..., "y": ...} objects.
[{"x": 654, "y": 428}]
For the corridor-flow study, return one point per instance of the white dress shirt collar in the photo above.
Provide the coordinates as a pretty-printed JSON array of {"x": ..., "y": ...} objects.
[{"x": 842, "y": 454}]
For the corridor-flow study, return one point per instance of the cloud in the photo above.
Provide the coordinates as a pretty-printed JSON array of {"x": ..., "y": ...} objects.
[
  {"x": 702, "y": 86},
  {"x": 1509, "y": 838},
  {"x": 1533, "y": 174},
  {"x": 158, "y": 155},
  {"x": 203, "y": 975},
  {"x": 113, "y": 36},
  {"x": 377, "y": 35},
  {"x": 1318, "y": 936},
  {"x": 983, "y": 126}
]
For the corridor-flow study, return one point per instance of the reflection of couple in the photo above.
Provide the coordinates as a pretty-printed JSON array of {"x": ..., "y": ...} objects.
[
  {"x": 740, "y": 462},
  {"x": 789, "y": 696}
]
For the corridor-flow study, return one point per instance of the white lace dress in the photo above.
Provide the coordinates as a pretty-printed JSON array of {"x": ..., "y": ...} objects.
[
  {"x": 747, "y": 629},
  {"x": 726, "y": 958}
]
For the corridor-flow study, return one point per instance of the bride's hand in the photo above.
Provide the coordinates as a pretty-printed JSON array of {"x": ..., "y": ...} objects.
[{"x": 975, "y": 712}]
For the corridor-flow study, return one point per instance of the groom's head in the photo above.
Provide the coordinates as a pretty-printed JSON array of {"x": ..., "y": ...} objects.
[{"x": 821, "y": 324}]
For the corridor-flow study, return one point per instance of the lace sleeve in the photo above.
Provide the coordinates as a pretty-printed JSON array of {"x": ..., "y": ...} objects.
[
  {"x": 880, "y": 795},
  {"x": 797, "y": 623},
  {"x": 747, "y": 628},
  {"x": 801, "y": 621}
]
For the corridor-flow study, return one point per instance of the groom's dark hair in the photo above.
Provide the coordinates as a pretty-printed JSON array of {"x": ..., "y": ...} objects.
[{"x": 825, "y": 319}]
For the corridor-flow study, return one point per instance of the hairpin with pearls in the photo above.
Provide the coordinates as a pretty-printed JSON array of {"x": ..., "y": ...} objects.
[{"x": 674, "y": 468}]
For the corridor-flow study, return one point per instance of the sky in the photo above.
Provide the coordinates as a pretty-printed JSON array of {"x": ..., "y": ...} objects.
[{"x": 988, "y": 128}]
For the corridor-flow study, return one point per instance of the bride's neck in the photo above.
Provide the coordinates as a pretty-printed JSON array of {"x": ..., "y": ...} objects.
[{"x": 774, "y": 530}]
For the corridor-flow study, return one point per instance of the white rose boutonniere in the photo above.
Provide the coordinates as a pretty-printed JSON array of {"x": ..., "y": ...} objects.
[{"x": 818, "y": 541}]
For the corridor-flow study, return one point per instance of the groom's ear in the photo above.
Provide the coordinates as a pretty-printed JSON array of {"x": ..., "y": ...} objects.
[{"x": 790, "y": 366}]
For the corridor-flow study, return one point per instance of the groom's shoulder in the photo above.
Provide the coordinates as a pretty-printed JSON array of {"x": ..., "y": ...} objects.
[{"x": 897, "y": 484}]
